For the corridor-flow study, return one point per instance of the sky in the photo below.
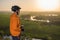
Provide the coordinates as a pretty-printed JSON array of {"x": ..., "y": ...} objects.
[{"x": 31, "y": 5}]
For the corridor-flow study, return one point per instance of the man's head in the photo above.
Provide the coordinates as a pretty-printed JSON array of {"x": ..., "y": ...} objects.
[{"x": 16, "y": 9}]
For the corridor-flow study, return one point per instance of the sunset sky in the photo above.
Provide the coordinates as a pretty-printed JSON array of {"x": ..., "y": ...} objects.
[{"x": 31, "y": 5}]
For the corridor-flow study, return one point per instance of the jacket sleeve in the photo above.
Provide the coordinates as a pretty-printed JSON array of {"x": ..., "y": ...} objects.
[{"x": 19, "y": 24}]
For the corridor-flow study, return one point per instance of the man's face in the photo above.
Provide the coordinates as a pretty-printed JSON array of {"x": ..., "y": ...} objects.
[{"x": 18, "y": 12}]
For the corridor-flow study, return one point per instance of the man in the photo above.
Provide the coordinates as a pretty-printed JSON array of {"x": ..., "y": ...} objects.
[{"x": 15, "y": 25}]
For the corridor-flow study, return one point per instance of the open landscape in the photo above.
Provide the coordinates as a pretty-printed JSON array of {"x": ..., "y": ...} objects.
[{"x": 45, "y": 30}]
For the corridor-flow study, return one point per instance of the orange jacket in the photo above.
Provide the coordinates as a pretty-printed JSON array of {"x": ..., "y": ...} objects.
[{"x": 15, "y": 27}]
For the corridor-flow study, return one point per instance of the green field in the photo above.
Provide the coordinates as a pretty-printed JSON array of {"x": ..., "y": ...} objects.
[{"x": 34, "y": 29}]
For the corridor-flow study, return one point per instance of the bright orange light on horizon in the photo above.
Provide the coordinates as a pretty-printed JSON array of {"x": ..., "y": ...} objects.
[
  {"x": 47, "y": 5},
  {"x": 31, "y": 5}
]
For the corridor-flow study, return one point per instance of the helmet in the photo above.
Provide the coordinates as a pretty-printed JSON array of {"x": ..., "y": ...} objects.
[{"x": 14, "y": 8}]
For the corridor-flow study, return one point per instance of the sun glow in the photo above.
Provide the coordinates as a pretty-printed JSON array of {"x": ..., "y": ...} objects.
[{"x": 47, "y": 5}]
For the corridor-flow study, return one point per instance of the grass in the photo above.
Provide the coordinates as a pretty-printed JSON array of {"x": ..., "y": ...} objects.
[
  {"x": 35, "y": 29},
  {"x": 32, "y": 28}
]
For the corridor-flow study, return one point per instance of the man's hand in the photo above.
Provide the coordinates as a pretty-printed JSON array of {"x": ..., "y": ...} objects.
[{"x": 22, "y": 29}]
